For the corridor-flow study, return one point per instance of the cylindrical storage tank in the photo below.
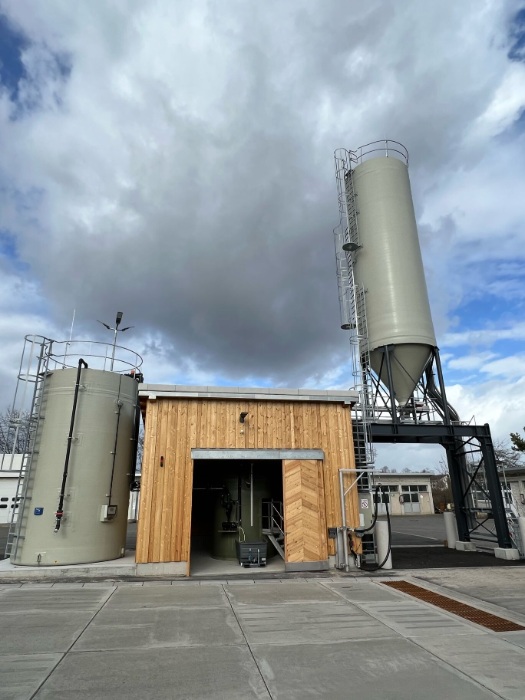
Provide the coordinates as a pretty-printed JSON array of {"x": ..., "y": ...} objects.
[
  {"x": 389, "y": 266},
  {"x": 96, "y": 493}
]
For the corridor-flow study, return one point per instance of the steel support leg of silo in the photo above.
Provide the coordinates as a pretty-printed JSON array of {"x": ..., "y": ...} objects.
[
  {"x": 494, "y": 488},
  {"x": 456, "y": 461}
]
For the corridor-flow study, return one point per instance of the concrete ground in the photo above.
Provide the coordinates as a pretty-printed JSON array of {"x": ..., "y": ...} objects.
[{"x": 334, "y": 637}]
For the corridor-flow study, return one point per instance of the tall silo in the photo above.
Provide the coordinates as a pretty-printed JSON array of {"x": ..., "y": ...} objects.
[
  {"x": 383, "y": 243},
  {"x": 74, "y": 491}
]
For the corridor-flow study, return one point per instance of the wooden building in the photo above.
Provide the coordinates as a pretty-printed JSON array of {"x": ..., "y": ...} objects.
[{"x": 216, "y": 457}]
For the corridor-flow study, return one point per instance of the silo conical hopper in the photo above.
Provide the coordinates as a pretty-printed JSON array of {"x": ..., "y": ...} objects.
[{"x": 388, "y": 264}]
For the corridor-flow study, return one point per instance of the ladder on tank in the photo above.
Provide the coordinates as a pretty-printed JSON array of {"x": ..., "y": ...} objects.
[{"x": 38, "y": 358}]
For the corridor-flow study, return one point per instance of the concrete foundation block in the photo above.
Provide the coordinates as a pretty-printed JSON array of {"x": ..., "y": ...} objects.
[
  {"x": 169, "y": 568},
  {"x": 465, "y": 546},
  {"x": 503, "y": 553}
]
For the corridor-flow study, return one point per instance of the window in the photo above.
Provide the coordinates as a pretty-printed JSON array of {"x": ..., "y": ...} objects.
[{"x": 4, "y": 498}]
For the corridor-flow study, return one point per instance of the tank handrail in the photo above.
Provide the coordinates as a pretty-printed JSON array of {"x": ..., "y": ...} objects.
[
  {"x": 359, "y": 155},
  {"x": 126, "y": 360}
]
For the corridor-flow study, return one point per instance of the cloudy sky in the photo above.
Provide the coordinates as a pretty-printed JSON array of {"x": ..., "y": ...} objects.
[{"x": 174, "y": 160}]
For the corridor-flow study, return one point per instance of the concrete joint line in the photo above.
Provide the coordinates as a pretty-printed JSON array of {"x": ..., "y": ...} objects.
[
  {"x": 108, "y": 596},
  {"x": 450, "y": 666},
  {"x": 248, "y": 644}
]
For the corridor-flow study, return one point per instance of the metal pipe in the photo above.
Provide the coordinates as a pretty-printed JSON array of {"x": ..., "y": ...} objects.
[
  {"x": 119, "y": 409},
  {"x": 251, "y": 494},
  {"x": 343, "y": 520}
]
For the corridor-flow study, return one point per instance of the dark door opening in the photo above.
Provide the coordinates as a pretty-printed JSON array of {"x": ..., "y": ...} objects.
[{"x": 227, "y": 507}]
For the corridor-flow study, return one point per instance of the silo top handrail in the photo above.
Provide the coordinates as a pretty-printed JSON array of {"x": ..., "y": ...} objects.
[{"x": 388, "y": 147}]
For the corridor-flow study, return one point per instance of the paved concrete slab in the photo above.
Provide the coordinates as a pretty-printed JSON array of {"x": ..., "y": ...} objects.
[
  {"x": 50, "y": 600},
  {"x": 160, "y": 627},
  {"x": 20, "y": 676},
  {"x": 307, "y": 623},
  {"x": 516, "y": 638},
  {"x": 393, "y": 669},
  {"x": 171, "y": 596},
  {"x": 284, "y": 592},
  {"x": 494, "y": 662},
  {"x": 331, "y": 638},
  {"x": 414, "y": 619},
  {"x": 40, "y": 632},
  {"x": 501, "y": 588},
  {"x": 220, "y": 673},
  {"x": 363, "y": 591}
]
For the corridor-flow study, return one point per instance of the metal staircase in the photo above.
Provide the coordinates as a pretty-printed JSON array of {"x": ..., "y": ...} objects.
[
  {"x": 273, "y": 524},
  {"x": 28, "y": 412}
]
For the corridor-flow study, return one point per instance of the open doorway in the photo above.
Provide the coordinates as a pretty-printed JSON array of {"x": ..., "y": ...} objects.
[{"x": 228, "y": 501}]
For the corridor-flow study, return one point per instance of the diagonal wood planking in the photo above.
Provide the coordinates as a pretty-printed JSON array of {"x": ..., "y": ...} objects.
[{"x": 304, "y": 521}]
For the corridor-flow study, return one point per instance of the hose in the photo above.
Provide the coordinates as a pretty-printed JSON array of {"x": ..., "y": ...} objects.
[
  {"x": 376, "y": 567},
  {"x": 60, "y": 510}
]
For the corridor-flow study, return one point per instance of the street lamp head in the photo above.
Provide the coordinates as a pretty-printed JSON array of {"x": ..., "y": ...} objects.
[{"x": 119, "y": 318}]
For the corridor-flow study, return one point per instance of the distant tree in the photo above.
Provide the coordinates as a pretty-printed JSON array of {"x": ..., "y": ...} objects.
[
  {"x": 441, "y": 488},
  {"x": 140, "y": 448},
  {"x": 14, "y": 431},
  {"x": 518, "y": 442},
  {"x": 507, "y": 457}
]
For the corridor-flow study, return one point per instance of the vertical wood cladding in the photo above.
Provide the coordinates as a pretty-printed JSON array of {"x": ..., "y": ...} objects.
[{"x": 174, "y": 426}]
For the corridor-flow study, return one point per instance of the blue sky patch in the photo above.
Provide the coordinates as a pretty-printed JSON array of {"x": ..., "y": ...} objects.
[
  {"x": 12, "y": 43},
  {"x": 517, "y": 37},
  {"x": 9, "y": 251}
]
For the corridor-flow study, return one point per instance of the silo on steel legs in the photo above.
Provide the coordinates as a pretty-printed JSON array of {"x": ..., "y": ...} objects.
[
  {"x": 387, "y": 263},
  {"x": 75, "y": 499}
]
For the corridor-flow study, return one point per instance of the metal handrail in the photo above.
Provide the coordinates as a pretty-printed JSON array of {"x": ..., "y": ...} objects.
[
  {"x": 274, "y": 515},
  {"x": 382, "y": 146}
]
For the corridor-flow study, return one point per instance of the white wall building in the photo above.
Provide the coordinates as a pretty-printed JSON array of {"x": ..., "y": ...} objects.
[
  {"x": 9, "y": 472},
  {"x": 410, "y": 493}
]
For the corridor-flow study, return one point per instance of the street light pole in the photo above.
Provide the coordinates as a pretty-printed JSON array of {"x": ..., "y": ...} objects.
[{"x": 116, "y": 330}]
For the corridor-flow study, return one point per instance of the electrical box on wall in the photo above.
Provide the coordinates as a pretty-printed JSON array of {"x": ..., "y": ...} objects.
[{"x": 108, "y": 513}]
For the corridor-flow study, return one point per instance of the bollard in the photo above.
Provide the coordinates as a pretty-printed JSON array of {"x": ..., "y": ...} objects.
[
  {"x": 521, "y": 525},
  {"x": 451, "y": 529}
]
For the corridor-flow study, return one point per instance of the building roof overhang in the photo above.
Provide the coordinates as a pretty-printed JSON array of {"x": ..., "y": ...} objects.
[{"x": 152, "y": 392}]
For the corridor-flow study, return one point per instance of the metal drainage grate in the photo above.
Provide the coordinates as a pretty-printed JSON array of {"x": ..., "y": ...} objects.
[{"x": 480, "y": 617}]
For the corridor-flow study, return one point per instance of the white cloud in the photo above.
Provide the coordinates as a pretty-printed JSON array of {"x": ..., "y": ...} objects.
[{"x": 174, "y": 160}]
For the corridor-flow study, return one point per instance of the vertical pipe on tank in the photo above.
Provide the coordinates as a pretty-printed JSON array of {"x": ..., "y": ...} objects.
[
  {"x": 118, "y": 411},
  {"x": 60, "y": 510}
]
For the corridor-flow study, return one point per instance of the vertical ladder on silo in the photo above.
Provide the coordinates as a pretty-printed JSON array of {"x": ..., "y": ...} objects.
[
  {"x": 21, "y": 503},
  {"x": 363, "y": 411},
  {"x": 352, "y": 242}
]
